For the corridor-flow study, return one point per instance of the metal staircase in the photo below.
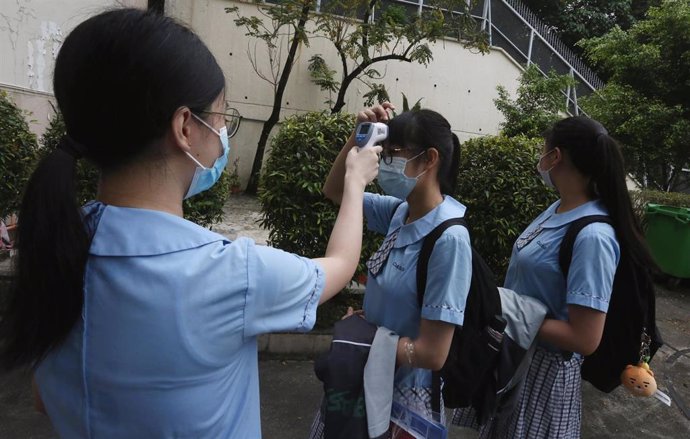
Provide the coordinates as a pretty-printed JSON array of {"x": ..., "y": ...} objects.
[{"x": 511, "y": 26}]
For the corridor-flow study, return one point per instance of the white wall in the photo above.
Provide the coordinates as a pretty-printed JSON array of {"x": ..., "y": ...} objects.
[
  {"x": 31, "y": 32},
  {"x": 458, "y": 83}
]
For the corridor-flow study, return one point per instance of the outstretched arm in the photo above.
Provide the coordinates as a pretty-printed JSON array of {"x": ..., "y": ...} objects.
[{"x": 345, "y": 243}]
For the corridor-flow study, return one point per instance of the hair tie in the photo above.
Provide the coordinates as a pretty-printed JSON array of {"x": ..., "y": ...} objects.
[{"x": 72, "y": 147}]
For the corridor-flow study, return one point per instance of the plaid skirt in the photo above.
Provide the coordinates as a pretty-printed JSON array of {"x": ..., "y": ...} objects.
[
  {"x": 550, "y": 404},
  {"x": 417, "y": 398}
]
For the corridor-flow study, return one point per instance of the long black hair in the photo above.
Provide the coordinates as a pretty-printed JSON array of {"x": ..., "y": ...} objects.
[
  {"x": 422, "y": 129},
  {"x": 119, "y": 78},
  {"x": 595, "y": 154}
]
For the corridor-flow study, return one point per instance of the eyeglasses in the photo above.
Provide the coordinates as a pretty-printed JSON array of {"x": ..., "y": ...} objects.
[
  {"x": 232, "y": 119},
  {"x": 387, "y": 154}
]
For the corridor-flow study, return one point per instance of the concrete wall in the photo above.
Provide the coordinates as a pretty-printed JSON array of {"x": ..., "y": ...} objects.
[
  {"x": 31, "y": 32},
  {"x": 458, "y": 83}
]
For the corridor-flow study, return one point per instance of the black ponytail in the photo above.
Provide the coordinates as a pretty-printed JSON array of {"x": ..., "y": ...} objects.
[
  {"x": 610, "y": 185},
  {"x": 596, "y": 154},
  {"x": 46, "y": 297},
  {"x": 452, "y": 175},
  {"x": 422, "y": 129},
  {"x": 119, "y": 78}
]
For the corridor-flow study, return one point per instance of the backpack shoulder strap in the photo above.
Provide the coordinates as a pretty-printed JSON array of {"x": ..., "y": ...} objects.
[
  {"x": 565, "y": 254},
  {"x": 422, "y": 266},
  {"x": 425, "y": 253}
]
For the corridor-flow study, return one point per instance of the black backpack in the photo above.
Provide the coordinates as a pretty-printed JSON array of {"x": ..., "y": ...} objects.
[
  {"x": 474, "y": 350},
  {"x": 631, "y": 313}
]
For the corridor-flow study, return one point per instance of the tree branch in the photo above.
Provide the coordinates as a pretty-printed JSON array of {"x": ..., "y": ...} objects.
[
  {"x": 255, "y": 66},
  {"x": 343, "y": 59},
  {"x": 365, "y": 32},
  {"x": 402, "y": 57},
  {"x": 362, "y": 67}
]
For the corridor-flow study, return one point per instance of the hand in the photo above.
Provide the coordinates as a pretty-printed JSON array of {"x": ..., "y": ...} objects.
[
  {"x": 352, "y": 312},
  {"x": 362, "y": 165},
  {"x": 377, "y": 113}
]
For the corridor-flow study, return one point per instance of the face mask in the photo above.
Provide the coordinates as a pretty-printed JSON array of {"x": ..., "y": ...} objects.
[
  {"x": 545, "y": 175},
  {"x": 204, "y": 178},
  {"x": 393, "y": 180}
]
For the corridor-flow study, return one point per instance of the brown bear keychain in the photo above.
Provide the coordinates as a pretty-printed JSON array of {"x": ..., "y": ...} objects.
[{"x": 639, "y": 380}]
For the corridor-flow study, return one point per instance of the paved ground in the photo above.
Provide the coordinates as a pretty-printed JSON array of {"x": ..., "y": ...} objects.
[{"x": 290, "y": 393}]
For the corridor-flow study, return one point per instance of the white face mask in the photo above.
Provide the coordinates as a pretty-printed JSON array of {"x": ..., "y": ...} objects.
[{"x": 546, "y": 174}]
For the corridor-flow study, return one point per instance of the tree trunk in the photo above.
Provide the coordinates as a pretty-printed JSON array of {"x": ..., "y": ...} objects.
[
  {"x": 253, "y": 184},
  {"x": 340, "y": 101}
]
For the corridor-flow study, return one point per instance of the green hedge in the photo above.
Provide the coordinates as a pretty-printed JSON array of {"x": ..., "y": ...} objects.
[
  {"x": 503, "y": 193},
  {"x": 204, "y": 209},
  {"x": 299, "y": 218},
  {"x": 18, "y": 148}
]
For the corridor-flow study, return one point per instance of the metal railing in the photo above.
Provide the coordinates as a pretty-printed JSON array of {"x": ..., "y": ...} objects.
[
  {"x": 546, "y": 34},
  {"x": 517, "y": 30},
  {"x": 511, "y": 26}
]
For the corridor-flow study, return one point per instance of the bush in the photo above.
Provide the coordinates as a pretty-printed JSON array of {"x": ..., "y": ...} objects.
[
  {"x": 17, "y": 155},
  {"x": 538, "y": 104},
  {"x": 640, "y": 199},
  {"x": 204, "y": 209},
  {"x": 298, "y": 216},
  {"x": 499, "y": 185}
]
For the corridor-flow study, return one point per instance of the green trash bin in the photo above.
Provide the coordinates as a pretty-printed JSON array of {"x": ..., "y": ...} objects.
[{"x": 668, "y": 236}]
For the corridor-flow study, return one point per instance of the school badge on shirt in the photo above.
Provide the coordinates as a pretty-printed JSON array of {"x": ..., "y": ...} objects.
[{"x": 529, "y": 236}]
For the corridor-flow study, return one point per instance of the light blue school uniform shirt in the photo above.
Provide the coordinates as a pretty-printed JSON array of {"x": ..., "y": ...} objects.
[
  {"x": 534, "y": 269},
  {"x": 166, "y": 344},
  {"x": 390, "y": 298}
]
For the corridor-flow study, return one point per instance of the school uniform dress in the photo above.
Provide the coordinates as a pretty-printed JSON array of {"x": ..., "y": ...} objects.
[
  {"x": 550, "y": 403},
  {"x": 390, "y": 298},
  {"x": 166, "y": 343}
]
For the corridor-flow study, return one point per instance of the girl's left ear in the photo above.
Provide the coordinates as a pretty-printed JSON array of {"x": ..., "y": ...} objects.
[
  {"x": 432, "y": 157},
  {"x": 180, "y": 128},
  {"x": 558, "y": 156}
]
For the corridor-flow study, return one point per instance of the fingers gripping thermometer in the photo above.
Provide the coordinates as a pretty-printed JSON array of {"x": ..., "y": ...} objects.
[{"x": 370, "y": 133}]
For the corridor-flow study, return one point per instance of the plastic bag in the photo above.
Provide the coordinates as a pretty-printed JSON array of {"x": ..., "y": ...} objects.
[{"x": 411, "y": 414}]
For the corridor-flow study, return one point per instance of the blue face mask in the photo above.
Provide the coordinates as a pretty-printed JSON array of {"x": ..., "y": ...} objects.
[
  {"x": 204, "y": 178},
  {"x": 393, "y": 180}
]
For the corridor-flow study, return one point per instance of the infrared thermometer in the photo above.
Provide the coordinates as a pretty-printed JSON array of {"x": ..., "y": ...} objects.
[{"x": 370, "y": 133}]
